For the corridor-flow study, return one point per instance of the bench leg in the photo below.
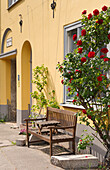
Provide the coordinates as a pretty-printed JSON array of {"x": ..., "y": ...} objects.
[
  {"x": 73, "y": 147},
  {"x": 27, "y": 133},
  {"x": 50, "y": 149},
  {"x": 50, "y": 142}
]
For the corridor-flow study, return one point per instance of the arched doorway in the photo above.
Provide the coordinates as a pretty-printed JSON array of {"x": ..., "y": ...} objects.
[{"x": 26, "y": 77}]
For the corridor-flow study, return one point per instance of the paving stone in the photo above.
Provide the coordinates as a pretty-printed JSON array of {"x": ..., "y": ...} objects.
[
  {"x": 14, "y": 127},
  {"x": 75, "y": 161},
  {"x": 4, "y": 143},
  {"x": 20, "y": 142}
]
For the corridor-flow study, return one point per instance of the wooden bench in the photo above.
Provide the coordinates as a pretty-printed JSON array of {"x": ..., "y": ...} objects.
[{"x": 66, "y": 129}]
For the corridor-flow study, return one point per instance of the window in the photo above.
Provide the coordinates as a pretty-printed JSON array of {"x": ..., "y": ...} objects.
[
  {"x": 11, "y": 2},
  {"x": 69, "y": 46}
]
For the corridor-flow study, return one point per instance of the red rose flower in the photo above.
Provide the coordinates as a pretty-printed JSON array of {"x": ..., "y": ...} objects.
[
  {"x": 84, "y": 12},
  {"x": 80, "y": 50},
  {"x": 91, "y": 54},
  {"x": 99, "y": 78},
  {"x": 104, "y": 8},
  {"x": 89, "y": 16},
  {"x": 74, "y": 100},
  {"x": 74, "y": 37},
  {"x": 96, "y": 12},
  {"x": 91, "y": 108},
  {"x": 106, "y": 59},
  {"x": 69, "y": 89},
  {"x": 102, "y": 56},
  {"x": 77, "y": 94},
  {"x": 100, "y": 21},
  {"x": 109, "y": 36},
  {"x": 84, "y": 111},
  {"x": 83, "y": 32},
  {"x": 89, "y": 116},
  {"x": 104, "y": 50},
  {"x": 62, "y": 81},
  {"x": 83, "y": 59},
  {"x": 79, "y": 71},
  {"x": 109, "y": 106},
  {"x": 79, "y": 43},
  {"x": 71, "y": 80}
]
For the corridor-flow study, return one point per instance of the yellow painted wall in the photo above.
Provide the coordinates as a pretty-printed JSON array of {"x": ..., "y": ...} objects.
[
  {"x": 25, "y": 76},
  {"x": 5, "y": 81},
  {"x": 45, "y": 34}
]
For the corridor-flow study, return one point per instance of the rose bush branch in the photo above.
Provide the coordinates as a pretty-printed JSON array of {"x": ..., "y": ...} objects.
[{"x": 85, "y": 71}]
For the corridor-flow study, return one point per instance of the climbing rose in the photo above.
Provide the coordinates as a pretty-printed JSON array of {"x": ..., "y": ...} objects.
[
  {"x": 104, "y": 8},
  {"x": 96, "y": 12},
  {"x": 83, "y": 32},
  {"x": 104, "y": 50},
  {"x": 99, "y": 78},
  {"x": 89, "y": 116},
  {"x": 83, "y": 59},
  {"x": 80, "y": 50},
  {"x": 62, "y": 81},
  {"x": 69, "y": 89},
  {"x": 79, "y": 42},
  {"x": 106, "y": 59},
  {"x": 109, "y": 106},
  {"x": 84, "y": 111},
  {"x": 84, "y": 12},
  {"x": 79, "y": 71},
  {"x": 77, "y": 94},
  {"x": 102, "y": 56},
  {"x": 71, "y": 80},
  {"x": 100, "y": 21},
  {"x": 89, "y": 16},
  {"x": 74, "y": 37},
  {"x": 109, "y": 36},
  {"x": 74, "y": 101},
  {"x": 91, "y": 54}
]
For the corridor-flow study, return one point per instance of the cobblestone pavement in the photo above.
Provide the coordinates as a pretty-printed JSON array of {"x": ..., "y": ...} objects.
[{"x": 14, "y": 157}]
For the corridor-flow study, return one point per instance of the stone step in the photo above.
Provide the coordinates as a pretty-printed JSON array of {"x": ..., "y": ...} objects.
[
  {"x": 84, "y": 161},
  {"x": 20, "y": 142}
]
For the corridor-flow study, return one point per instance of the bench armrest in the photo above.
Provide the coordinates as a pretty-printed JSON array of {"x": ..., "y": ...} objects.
[
  {"x": 60, "y": 127},
  {"x": 35, "y": 119}
]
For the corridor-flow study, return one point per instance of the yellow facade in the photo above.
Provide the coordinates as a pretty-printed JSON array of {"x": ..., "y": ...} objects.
[{"x": 42, "y": 38}]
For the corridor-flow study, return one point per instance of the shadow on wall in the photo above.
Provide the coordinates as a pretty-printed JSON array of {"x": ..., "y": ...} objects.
[
  {"x": 97, "y": 149},
  {"x": 50, "y": 86}
]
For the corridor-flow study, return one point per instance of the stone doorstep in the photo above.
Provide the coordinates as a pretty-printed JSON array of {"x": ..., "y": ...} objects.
[{"x": 75, "y": 161}]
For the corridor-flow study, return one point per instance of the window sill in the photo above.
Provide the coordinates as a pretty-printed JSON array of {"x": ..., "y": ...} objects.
[{"x": 71, "y": 106}]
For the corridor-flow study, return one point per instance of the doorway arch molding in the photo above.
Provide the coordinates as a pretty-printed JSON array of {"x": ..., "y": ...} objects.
[{"x": 3, "y": 39}]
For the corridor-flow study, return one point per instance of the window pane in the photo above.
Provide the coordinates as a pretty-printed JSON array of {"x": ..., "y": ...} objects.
[{"x": 71, "y": 47}]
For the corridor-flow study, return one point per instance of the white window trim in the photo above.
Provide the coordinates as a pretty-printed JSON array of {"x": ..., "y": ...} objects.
[{"x": 66, "y": 30}]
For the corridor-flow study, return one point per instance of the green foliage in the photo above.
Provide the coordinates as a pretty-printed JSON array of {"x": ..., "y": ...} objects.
[
  {"x": 85, "y": 72},
  {"x": 40, "y": 74},
  {"x": 86, "y": 140},
  {"x": 52, "y": 102}
]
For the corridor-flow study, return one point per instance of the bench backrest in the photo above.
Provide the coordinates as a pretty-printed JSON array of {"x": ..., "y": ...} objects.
[{"x": 65, "y": 117}]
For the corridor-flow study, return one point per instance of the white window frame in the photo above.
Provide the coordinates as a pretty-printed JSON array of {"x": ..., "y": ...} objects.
[{"x": 77, "y": 25}]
